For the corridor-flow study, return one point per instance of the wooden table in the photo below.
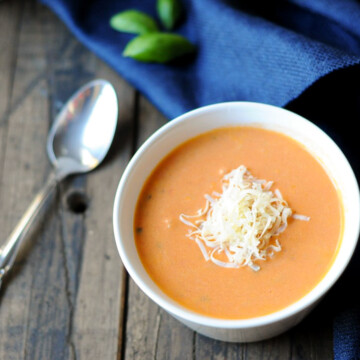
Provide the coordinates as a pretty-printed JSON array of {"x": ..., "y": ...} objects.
[{"x": 69, "y": 296}]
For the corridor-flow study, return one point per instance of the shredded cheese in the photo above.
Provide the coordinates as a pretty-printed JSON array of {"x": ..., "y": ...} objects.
[{"x": 240, "y": 221}]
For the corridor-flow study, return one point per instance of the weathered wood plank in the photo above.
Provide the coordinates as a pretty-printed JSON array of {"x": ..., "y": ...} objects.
[
  {"x": 277, "y": 348},
  {"x": 97, "y": 315},
  {"x": 63, "y": 300},
  {"x": 10, "y": 15},
  {"x": 31, "y": 310},
  {"x": 312, "y": 338}
]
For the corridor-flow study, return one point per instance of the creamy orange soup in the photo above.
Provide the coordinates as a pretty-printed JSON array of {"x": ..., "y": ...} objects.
[{"x": 178, "y": 184}]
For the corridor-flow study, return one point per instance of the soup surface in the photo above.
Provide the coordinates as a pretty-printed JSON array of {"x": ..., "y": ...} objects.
[{"x": 178, "y": 184}]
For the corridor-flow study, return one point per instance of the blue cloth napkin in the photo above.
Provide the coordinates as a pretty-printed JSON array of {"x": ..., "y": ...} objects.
[{"x": 267, "y": 51}]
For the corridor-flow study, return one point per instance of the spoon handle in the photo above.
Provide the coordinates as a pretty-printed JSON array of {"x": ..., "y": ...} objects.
[{"x": 10, "y": 248}]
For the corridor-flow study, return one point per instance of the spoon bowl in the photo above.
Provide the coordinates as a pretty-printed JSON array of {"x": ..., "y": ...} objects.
[{"x": 83, "y": 131}]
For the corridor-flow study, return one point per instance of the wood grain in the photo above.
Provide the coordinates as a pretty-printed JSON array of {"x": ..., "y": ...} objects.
[{"x": 64, "y": 296}]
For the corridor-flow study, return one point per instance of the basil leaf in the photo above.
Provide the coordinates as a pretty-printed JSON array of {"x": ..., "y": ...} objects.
[
  {"x": 158, "y": 47},
  {"x": 134, "y": 22},
  {"x": 169, "y": 12}
]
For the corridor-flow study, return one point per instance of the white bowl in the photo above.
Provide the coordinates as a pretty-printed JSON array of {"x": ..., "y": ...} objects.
[{"x": 204, "y": 119}]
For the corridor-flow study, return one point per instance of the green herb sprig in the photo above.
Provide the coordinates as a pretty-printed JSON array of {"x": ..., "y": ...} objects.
[{"x": 151, "y": 44}]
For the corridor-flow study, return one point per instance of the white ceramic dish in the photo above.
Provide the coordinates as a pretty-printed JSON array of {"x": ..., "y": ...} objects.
[{"x": 204, "y": 119}]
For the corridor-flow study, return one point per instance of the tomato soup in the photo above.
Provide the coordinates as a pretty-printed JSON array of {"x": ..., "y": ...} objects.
[{"x": 195, "y": 168}]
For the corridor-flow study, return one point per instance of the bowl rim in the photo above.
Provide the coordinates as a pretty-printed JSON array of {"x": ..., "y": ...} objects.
[{"x": 180, "y": 311}]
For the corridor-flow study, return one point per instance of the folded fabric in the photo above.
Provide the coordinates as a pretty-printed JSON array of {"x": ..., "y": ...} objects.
[
  {"x": 250, "y": 50},
  {"x": 265, "y": 51}
]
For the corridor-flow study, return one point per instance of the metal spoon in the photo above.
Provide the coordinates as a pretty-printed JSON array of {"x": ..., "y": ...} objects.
[{"x": 78, "y": 141}]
